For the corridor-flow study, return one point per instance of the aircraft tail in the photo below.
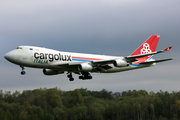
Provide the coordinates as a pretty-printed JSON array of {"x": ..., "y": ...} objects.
[{"x": 147, "y": 47}]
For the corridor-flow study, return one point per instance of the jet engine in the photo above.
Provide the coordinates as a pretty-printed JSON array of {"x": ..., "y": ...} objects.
[
  {"x": 120, "y": 63},
  {"x": 85, "y": 67},
  {"x": 52, "y": 72}
]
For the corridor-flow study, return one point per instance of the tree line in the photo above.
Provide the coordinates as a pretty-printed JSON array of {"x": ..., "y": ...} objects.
[{"x": 83, "y": 104}]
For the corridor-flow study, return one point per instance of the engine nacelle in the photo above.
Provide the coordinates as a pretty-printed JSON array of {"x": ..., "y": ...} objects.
[
  {"x": 52, "y": 72},
  {"x": 120, "y": 63},
  {"x": 85, "y": 67}
]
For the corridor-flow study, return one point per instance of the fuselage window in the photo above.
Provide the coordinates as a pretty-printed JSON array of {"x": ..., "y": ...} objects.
[{"x": 19, "y": 48}]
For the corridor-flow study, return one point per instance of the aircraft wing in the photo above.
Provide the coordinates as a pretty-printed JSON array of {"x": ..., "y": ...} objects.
[
  {"x": 133, "y": 58},
  {"x": 100, "y": 65}
]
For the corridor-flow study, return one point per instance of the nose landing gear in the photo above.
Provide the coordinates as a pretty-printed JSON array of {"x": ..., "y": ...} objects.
[
  {"x": 23, "y": 72},
  {"x": 70, "y": 76}
]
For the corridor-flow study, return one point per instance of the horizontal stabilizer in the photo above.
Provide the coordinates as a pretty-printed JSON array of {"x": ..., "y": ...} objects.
[
  {"x": 156, "y": 61},
  {"x": 133, "y": 58},
  {"x": 167, "y": 49}
]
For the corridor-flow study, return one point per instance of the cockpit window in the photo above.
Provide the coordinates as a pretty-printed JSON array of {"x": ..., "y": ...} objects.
[{"x": 19, "y": 48}]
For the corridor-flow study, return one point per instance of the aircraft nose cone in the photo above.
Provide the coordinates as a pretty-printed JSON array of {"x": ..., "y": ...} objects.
[
  {"x": 7, "y": 56},
  {"x": 11, "y": 56}
]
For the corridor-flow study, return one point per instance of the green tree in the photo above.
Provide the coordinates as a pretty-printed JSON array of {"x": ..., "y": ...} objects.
[
  {"x": 177, "y": 108},
  {"x": 55, "y": 101},
  {"x": 23, "y": 115},
  {"x": 59, "y": 114},
  {"x": 26, "y": 104},
  {"x": 53, "y": 97},
  {"x": 78, "y": 97}
]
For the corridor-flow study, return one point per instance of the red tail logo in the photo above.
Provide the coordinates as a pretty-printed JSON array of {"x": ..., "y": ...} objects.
[{"x": 146, "y": 49}]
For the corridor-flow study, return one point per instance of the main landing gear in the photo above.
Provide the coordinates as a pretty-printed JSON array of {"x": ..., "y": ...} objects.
[
  {"x": 22, "y": 72},
  {"x": 85, "y": 76}
]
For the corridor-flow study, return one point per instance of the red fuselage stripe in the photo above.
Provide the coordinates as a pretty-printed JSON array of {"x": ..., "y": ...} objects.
[{"x": 86, "y": 58}]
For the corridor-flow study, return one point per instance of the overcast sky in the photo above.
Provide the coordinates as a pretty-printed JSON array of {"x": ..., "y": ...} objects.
[{"x": 108, "y": 27}]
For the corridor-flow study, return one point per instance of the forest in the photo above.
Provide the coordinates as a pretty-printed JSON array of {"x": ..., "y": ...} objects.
[{"x": 83, "y": 104}]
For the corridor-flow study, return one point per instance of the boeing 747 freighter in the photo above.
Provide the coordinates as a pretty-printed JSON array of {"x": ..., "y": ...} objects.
[{"x": 55, "y": 62}]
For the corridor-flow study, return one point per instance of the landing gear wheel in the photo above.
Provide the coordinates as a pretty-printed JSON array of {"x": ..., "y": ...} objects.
[
  {"x": 85, "y": 76},
  {"x": 71, "y": 79},
  {"x": 69, "y": 76},
  {"x": 80, "y": 77},
  {"x": 23, "y": 72}
]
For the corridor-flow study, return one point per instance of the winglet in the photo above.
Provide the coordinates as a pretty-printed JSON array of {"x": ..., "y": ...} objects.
[{"x": 167, "y": 49}]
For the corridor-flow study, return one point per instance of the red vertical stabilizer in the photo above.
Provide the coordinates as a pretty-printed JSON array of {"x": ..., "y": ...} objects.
[{"x": 147, "y": 47}]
